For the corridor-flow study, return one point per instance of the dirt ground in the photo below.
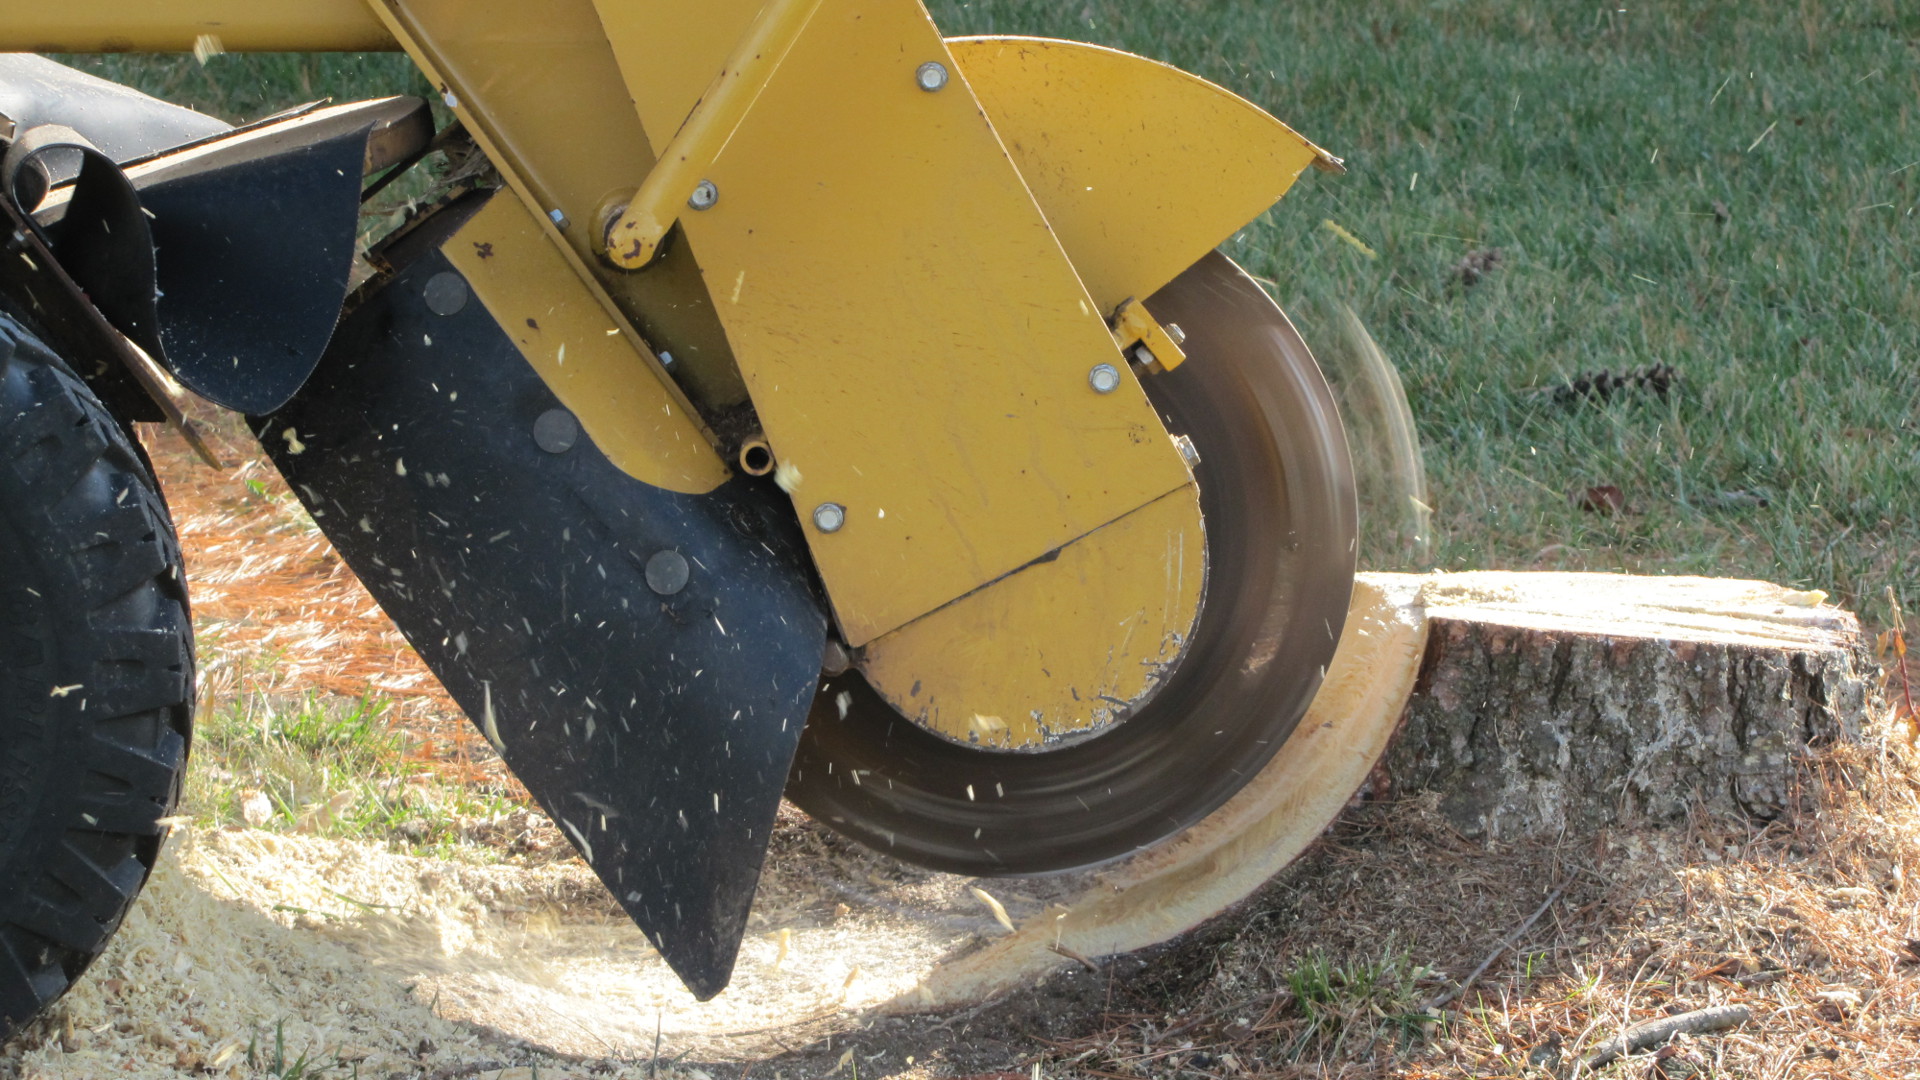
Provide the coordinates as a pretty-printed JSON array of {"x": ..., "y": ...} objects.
[{"x": 1393, "y": 948}]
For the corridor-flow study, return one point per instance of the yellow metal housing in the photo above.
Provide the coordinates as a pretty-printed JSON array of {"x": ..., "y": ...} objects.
[
  {"x": 579, "y": 351},
  {"x": 1140, "y": 167},
  {"x": 1008, "y": 666},
  {"x": 633, "y": 238},
  {"x": 917, "y": 345}
]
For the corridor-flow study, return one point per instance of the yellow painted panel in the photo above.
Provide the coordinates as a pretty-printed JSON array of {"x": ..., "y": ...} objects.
[
  {"x": 580, "y": 354},
  {"x": 544, "y": 98},
  {"x": 670, "y": 53},
  {"x": 1140, "y": 167},
  {"x": 173, "y": 25},
  {"x": 1060, "y": 649},
  {"x": 913, "y": 337}
]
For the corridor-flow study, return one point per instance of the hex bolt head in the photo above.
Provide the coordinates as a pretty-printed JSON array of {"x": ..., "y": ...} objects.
[
  {"x": 446, "y": 293},
  {"x": 704, "y": 195},
  {"x": 931, "y": 76},
  {"x": 667, "y": 572},
  {"x": 1104, "y": 378},
  {"x": 555, "y": 431},
  {"x": 828, "y": 517}
]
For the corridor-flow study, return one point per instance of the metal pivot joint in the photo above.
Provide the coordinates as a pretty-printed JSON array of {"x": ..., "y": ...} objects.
[{"x": 634, "y": 235}]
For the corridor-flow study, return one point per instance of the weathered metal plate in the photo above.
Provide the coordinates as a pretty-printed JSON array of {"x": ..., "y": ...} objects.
[
  {"x": 1140, "y": 167},
  {"x": 1064, "y": 648},
  {"x": 577, "y": 349},
  {"x": 913, "y": 337}
]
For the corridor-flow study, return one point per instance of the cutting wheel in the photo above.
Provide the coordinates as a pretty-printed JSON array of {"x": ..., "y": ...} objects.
[{"x": 1278, "y": 495}]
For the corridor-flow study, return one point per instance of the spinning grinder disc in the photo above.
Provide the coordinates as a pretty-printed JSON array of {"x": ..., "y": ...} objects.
[{"x": 1278, "y": 494}]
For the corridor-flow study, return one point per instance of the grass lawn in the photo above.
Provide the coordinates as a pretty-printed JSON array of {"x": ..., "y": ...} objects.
[{"x": 1726, "y": 189}]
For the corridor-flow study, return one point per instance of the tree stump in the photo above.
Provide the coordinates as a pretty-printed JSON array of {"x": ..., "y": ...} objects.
[
  {"x": 1528, "y": 703},
  {"x": 1550, "y": 702}
]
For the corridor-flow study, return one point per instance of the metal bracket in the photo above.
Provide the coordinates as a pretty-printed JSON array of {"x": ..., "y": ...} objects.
[{"x": 1144, "y": 341}]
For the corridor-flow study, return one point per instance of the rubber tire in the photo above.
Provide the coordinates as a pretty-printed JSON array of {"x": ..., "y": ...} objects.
[{"x": 96, "y": 675}]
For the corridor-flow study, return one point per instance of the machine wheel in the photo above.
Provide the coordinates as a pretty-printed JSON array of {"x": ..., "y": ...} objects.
[
  {"x": 1277, "y": 492},
  {"x": 96, "y": 675}
]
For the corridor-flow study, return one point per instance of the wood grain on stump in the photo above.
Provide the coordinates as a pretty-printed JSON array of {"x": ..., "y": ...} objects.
[{"x": 1576, "y": 701}]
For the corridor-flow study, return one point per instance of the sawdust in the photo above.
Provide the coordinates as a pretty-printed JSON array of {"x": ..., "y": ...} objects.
[{"x": 352, "y": 956}]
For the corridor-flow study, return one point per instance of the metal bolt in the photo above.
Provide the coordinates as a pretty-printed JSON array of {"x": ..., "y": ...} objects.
[
  {"x": 559, "y": 219},
  {"x": 555, "y": 431},
  {"x": 667, "y": 572},
  {"x": 828, "y": 517},
  {"x": 446, "y": 293},
  {"x": 931, "y": 76},
  {"x": 1178, "y": 335},
  {"x": 704, "y": 195},
  {"x": 1104, "y": 378},
  {"x": 835, "y": 660},
  {"x": 666, "y": 359},
  {"x": 1188, "y": 452}
]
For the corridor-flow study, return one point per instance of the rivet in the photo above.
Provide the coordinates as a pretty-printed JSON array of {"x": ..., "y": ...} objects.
[
  {"x": 704, "y": 195},
  {"x": 931, "y": 76},
  {"x": 1104, "y": 378},
  {"x": 555, "y": 431},
  {"x": 828, "y": 517},
  {"x": 446, "y": 293},
  {"x": 667, "y": 572}
]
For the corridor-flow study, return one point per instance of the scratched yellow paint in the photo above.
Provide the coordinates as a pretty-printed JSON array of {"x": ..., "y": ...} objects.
[
  {"x": 1060, "y": 649},
  {"x": 578, "y": 351},
  {"x": 1140, "y": 167},
  {"x": 914, "y": 339},
  {"x": 173, "y": 25}
]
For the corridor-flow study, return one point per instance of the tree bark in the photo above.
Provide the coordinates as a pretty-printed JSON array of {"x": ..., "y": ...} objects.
[{"x": 1550, "y": 702}]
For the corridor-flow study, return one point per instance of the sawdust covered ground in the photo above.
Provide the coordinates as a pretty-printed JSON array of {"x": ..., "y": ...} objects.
[{"x": 254, "y": 951}]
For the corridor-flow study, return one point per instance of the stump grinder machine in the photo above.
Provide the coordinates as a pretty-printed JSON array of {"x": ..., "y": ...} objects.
[{"x": 780, "y": 400}]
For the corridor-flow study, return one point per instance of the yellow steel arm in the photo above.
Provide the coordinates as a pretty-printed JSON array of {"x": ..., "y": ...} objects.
[{"x": 175, "y": 25}]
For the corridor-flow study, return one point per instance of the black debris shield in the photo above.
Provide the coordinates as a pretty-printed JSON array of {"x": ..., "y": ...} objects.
[{"x": 656, "y": 728}]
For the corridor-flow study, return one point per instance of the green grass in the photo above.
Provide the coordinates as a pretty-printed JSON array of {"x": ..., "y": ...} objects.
[
  {"x": 1590, "y": 146},
  {"x": 330, "y": 766},
  {"x": 1722, "y": 186}
]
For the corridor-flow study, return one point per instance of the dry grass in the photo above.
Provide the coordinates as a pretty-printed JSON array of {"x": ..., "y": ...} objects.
[
  {"x": 310, "y": 700},
  {"x": 1812, "y": 923}
]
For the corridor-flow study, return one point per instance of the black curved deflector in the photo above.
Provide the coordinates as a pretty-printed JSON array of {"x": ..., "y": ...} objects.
[{"x": 656, "y": 727}]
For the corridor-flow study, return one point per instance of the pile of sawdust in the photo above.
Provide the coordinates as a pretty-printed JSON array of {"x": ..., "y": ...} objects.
[
  {"x": 198, "y": 984},
  {"x": 250, "y": 947}
]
